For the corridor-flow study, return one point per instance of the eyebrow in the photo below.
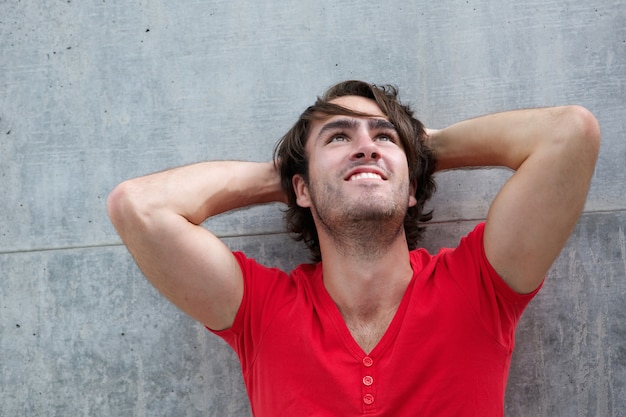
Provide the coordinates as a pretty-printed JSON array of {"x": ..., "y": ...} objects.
[{"x": 350, "y": 123}]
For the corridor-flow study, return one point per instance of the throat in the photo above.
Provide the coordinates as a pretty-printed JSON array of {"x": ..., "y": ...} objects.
[{"x": 366, "y": 241}]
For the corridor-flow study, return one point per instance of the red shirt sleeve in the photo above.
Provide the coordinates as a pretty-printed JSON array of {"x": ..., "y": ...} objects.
[
  {"x": 498, "y": 305},
  {"x": 262, "y": 286}
]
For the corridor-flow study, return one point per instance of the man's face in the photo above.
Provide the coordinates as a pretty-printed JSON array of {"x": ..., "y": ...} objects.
[{"x": 357, "y": 167}]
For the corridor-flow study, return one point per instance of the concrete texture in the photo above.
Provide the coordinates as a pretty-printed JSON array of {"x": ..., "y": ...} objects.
[{"x": 92, "y": 93}]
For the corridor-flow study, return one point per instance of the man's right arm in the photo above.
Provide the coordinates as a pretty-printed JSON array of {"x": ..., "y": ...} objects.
[{"x": 159, "y": 219}]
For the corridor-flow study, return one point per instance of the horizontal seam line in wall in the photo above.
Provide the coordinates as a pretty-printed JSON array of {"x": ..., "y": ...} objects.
[
  {"x": 268, "y": 233},
  {"x": 119, "y": 243}
]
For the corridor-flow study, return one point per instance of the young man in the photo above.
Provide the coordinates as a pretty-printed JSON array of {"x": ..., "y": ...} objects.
[{"x": 375, "y": 326}]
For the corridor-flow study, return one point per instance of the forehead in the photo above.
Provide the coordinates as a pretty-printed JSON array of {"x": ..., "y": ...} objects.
[{"x": 359, "y": 104}]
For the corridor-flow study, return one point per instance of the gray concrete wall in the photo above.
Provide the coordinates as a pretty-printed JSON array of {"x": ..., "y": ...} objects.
[{"x": 95, "y": 92}]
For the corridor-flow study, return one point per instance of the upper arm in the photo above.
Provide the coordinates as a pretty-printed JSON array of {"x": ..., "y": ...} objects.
[
  {"x": 184, "y": 261},
  {"x": 535, "y": 212}
]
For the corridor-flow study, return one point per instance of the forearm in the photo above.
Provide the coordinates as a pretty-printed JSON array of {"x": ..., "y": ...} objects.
[
  {"x": 196, "y": 192},
  {"x": 503, "y": 139}
]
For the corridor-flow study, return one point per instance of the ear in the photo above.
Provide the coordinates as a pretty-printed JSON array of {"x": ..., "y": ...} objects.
[
  {"x": 302, "y": 191},
  {"x": 412, "y": 188}
]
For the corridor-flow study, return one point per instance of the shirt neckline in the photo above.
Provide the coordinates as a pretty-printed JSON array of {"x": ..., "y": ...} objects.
[{"x": 336, "y": 319}]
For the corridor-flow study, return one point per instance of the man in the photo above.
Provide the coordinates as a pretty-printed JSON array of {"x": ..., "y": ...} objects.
[{"x": 376, "y": 327}]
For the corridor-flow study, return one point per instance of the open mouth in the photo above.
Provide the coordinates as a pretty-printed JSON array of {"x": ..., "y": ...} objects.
[
  {"x": 365, "y": 176},
  {"x": 363, "y": 172}
]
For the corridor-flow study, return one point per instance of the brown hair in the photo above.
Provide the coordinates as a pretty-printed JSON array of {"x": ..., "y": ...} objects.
[{"x": 291, "y": 159}]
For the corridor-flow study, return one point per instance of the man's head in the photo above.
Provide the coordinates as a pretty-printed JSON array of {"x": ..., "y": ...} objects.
[{"x": 292, "y": 158}]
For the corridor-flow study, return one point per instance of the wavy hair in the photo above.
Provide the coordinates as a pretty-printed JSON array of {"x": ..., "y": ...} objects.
[{"x": 291, "y": 158}]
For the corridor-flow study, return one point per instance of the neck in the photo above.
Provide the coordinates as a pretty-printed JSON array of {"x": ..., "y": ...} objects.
[
  {"x": 368, "y": 279},
  {"x": 368, "y": 291}
]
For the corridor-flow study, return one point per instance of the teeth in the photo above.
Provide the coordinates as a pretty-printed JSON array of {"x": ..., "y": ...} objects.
[{"x": 365, "y": 175}]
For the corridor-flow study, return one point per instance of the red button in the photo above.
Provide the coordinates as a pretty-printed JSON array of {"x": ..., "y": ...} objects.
[
  {"x": 368, "y": 399},
  {"x": 368, "y": 380},
  {"x": 367, "y": 361}
]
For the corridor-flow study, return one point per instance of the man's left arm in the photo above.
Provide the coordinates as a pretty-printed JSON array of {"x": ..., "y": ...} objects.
[{"x": 553, "y": 151}]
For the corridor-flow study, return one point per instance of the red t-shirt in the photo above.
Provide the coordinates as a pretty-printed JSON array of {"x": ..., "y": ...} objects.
[{"x": 446, "y": 352}]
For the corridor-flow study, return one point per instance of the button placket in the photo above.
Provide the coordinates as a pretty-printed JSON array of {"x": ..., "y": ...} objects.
[{"x": 368, "y": 392}]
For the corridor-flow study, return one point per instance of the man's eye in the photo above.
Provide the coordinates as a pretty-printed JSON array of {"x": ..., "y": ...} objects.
[
  {"x": 338, "y": 138},
  {"x": 385, "y": 138}
]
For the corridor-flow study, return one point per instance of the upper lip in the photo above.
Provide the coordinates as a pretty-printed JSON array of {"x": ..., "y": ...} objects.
[{"x": 365, "y": 169}]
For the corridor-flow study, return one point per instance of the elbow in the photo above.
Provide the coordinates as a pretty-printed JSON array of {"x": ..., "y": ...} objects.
[
  {"x": 115, "y": 204},
  {"x": 586, "y": 129},
  {"x": 120, "y": 204}
]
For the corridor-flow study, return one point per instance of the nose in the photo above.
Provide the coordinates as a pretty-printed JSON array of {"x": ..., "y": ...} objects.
[{"x": 365, "y": 149}]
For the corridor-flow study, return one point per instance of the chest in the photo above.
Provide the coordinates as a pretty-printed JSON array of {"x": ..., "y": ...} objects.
[
  {"x": 395, "y": 365},
  {"x": 368, "y": 332}
]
